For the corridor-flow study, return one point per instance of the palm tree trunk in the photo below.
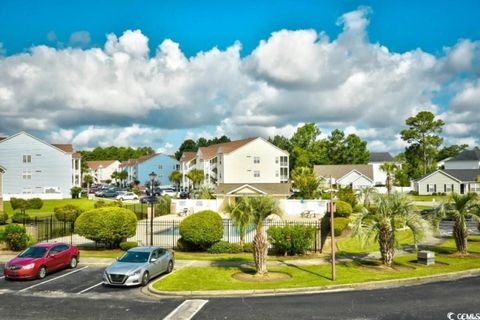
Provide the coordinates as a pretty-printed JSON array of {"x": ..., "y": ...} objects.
[
  {"x": 460, "y": 234},
  {"x": 389, "y": 184},
  {"x": 386, "y": 242},
  {"x": 242, "y": 237},
  {"x": 260, "y": 248}
]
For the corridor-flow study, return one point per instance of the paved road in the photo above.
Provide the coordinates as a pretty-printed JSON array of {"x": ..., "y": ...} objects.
[{"x": 76, "y": 294}]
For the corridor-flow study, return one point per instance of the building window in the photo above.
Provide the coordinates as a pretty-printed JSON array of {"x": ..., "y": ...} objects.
[
  {"x": 283, "y": 161},
  {"x": 27, "y": 175},
  {"x": 174, "y": 167},
  {"x": 431, "y": 188},
  {"x": 27, "y": 158},
  {"x": 256, "y": 174},
  {"x": 160, "y": 167},
  {"x": 448, "y": 188},
  {"x": 475, "y": 187},
  {"x": 256, "y": 159},
  {"x": 27, "y": 191},
  {"x": 284, "y": 173}
]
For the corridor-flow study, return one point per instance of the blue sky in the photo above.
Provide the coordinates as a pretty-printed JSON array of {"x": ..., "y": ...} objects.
[{"x": 412, "y": 31}]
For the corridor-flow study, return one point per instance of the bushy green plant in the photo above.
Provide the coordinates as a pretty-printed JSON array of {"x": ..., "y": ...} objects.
[
  {"x": 15, "y": 237},
  {"x": 67, "y": 213},
  {"x": 23, "y": 205},
  {"x": 103, "y": 203},
  {"x": 343, "y": 209},
  {"x": 163, "y": 206},
  {"x": 358, "y": 208},
  {"x": 35, "y": 203},
  {"x": 248, "y": 247},
  {"x": 109, "y": 225},
  {"x": 126, "y": 245},
  {"x": 3, "y": 217},
  {"x": 75, "y": 192},
  {"x": 202, "y": 229},
  {"x": 20, "y": 217},
  {"x": 185, "y": 246},
  {"x": 225, "y": 247},
  {"x": 291, "y": 239},
  {"x": 347, "y": 195},
  {"x": 340, "y": 225}
]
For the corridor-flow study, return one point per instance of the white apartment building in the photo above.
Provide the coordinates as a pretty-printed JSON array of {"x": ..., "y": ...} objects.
[
  {"x": 102, "y": 170},
  {"x": 35, "y": 168},
  {"x": 254, "y": 164}
]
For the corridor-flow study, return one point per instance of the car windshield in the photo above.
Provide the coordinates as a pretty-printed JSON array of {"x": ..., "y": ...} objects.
[
  {"x": 33, "y": 252},
  {"x": 134, "y": 256}
]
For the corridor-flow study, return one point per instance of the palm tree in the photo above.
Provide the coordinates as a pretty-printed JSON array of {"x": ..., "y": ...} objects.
[
  {"x": 123, "y": 175},
  {"x": 379, "y": 221},
  {"x": 114, "y": 176},
  {"x": 241, "y": 215},
  {"x": 459, "y": 209},
  {"x": 175, "y": 177},
  {"x": 261, "y": 208},
  {"x": 88, "y": 179},
  {"x": 196, "y": 176},
  {"x": 366, "y": 196},
  {"x": 389, "y": 168}
]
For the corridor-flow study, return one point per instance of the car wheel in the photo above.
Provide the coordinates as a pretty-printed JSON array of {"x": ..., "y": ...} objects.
[
  {"x": 145, "y": 278},
  {"x": 170, "y": 266},
  {"x": 42, "y": 273},
  {"x": 73, "y": 262}
]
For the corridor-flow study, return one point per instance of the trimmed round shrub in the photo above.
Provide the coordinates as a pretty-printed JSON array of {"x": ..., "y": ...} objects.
[
  {"x": 291, "y": 239},
  {"x": 248, "y": 247},
  {"x": 340, "y": 225},
  {"x": 3, "y": 217},
  {"x": 225, "y": 247},
  {"x": 126, "y": 245},
  {"x": 108, "y": 225},
  {"x": 202, "y": 229},
  {"x": 343, "y": 209},
  {"x": 35, "y": 203},
  {"x": 103, "y": 203},
  {"x": 15, "y": 237},
  {"x": 67, "y": 213},
  {"x": 20, "y": 217}
]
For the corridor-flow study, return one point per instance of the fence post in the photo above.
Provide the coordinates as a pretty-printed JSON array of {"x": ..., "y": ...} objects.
[
  {"x": 51, "y": 227},
  {"x": 72, "y": 228}
]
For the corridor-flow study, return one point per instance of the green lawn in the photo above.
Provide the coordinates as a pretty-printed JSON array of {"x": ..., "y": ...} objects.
[
  {"x": 242, "y": 257},
  {"x": 352, "y": 245},
  {"x": 220, "y": 278},
  {"x": 50, "y": 205},
  {"x": 101, "y": 253},
  {"x": 430, "y": 198},
  {"x": 448, "y": 246}
]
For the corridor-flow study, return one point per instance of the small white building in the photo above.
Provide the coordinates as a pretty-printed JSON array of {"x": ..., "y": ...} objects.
[
  {"x": 35, "y": 168},
  {"x": 102, "y": 170},
  {"x": 376, "y": 160},
  {"x": 357, "y": 176}
]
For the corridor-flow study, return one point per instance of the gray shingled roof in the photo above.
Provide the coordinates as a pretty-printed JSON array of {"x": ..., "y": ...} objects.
[
  {"x": 380, "y": 157},
  {"x": 268, "y": 188},
  {"x": 340, "y": 170},
  {"x": 467, "y": 155},
  {"x": 465, "y": 175}
]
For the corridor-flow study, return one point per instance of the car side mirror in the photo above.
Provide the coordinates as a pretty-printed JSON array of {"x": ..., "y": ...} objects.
[
  {"x": 153, "y": 259},
  {"x": 51, "y": 255}
]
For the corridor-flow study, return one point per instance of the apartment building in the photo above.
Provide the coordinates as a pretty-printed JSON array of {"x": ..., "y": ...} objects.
[
  {"x": 101, "y": 170},
  {"x": 35, "y": 168}
]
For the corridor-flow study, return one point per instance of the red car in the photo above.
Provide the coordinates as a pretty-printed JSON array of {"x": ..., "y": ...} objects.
[{"x": 40, "y": 259}]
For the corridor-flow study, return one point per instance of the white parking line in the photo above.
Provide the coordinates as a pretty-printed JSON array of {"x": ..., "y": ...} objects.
[
  {"x": 63, "y": 275},
  {"x": 85, "y": 290},
  {"x": 186, "y": 310}
]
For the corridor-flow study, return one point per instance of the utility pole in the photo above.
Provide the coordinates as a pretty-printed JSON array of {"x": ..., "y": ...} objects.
[{"x": 332, "y": 230}]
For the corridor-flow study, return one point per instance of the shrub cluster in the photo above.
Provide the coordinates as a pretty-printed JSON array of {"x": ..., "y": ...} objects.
[
  {"x": 163, "y": 206},
  {"x": 128, "y": 245},
  {"x": 347, "y": 195},
  {"x": 109, "y": 225},
  {"x": 15, "y": 237},
  {"x": 343, "y": 209},
  {"x": 20, "y": 217},
  {"x": 3, "y": 217},
  {"x": 201, "y": 230},
  {"x": 291, "y": 239},
  {"x": 340, "y": 225},
  {"x": 248, "y": 247},
  {"x": 25, "y": 204},
  {"x": 67, "y": 213},
  {"x": 225, "y": 247},
  {"x": 103, "y": 203},
  {"x": 75, "y": 192}
]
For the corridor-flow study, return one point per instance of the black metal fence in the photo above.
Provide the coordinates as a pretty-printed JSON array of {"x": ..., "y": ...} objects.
[{"x": 165, "y": 232}]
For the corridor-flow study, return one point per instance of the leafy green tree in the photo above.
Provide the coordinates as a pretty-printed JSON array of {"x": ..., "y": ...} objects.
[
  {"x": 459, "y": 209},
  {"x": 450, "y": 151},
  {"x": 423, "y": 131},
  {"x": 305, "y": 181},
  {"x": 379, "y": 221},
  {"x": 281, "y": 142},
  {"x": 113, "y": 152},
  {"x": 122, "y": 176},
  {"x": 356, "y": 151},
  {"x": 187, "y": 146},
  {"x": 240, "y": 214},
  {"x": 389, "y": 168}
]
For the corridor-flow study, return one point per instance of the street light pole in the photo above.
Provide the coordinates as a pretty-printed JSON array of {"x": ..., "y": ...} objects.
[
  {"x": 152, "y": 176},
  {"x": 332, "y": 230}
]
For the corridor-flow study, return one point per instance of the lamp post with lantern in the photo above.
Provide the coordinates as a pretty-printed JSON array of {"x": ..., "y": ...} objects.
[{"x": 153, "y": 199}]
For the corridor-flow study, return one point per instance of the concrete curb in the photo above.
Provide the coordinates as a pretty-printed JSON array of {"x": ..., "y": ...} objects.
[{"x": 383, "y": 284}]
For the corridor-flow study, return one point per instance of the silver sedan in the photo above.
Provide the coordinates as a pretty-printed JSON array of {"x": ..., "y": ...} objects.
[{"x": 138, "y": 265}]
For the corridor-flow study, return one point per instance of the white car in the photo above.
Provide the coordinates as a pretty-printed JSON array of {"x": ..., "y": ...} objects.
[
  {"x": 169, "y": 192},
  {"x": 127, "y": 196}
]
